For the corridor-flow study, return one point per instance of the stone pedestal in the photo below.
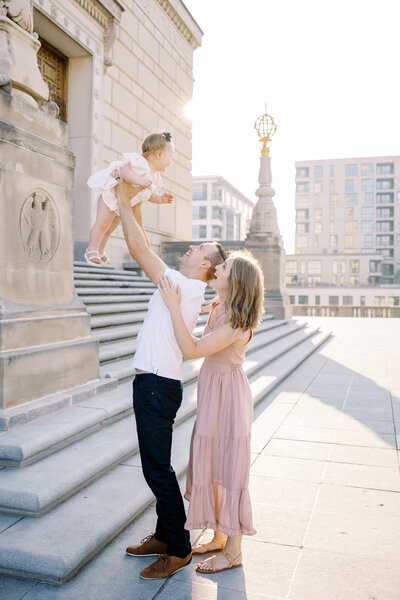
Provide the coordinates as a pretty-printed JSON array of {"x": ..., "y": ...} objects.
[
  {"x": 265, "y": 242},
  {"x": 45, "y": 343}
]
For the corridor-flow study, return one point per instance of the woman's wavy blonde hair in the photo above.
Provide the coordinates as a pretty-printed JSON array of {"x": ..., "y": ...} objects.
[{"x": 245, "y": 301}]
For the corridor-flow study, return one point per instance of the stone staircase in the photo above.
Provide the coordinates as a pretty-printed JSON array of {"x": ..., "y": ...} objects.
[{"x": 71, "y": 480}]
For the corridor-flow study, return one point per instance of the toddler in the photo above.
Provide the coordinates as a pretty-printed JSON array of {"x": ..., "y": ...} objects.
[{"x": 140, "y": 170}]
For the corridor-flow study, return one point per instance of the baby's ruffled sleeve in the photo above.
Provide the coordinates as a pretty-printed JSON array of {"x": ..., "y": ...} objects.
[{"x": 138, "y": 163}]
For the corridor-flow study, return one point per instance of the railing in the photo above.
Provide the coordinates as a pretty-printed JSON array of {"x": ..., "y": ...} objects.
[{"x": 306, "y": 310}]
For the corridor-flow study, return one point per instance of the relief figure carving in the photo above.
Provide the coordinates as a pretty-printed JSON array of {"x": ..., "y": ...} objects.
[
  {"x": 40, "y": 229},
  {"x": 19, "y": 11}
]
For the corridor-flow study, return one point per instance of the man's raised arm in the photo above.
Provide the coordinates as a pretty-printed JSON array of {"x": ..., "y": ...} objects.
[{"x": 151, "y": 264}]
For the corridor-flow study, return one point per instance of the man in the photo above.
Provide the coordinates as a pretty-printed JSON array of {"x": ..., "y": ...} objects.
[{"x": 157, "y": 387}]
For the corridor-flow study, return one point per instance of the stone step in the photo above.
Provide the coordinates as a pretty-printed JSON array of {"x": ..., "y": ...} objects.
[
  {"x": 112, "y": 298},
  {"x": 123, "y": 349},
  {"x": 97, "y": 321},
  {"x": 110, "y": 276},
  {"x": 123, "y": 369},
  {"x": 106, "y": 284},
  {"x": 121, "y": 332},
  {"x": 41, "y": 486},
  {"x": 55, "y": 546},
  {"x": 28, "y": 444},
  {"x": 123, "y": 307}
]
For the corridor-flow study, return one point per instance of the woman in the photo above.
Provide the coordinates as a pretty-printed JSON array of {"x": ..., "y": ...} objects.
[{"x": 218, "y": 474}]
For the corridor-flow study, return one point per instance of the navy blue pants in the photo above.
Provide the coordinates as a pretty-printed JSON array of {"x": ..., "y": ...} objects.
[{"x": 156, "y": 401}]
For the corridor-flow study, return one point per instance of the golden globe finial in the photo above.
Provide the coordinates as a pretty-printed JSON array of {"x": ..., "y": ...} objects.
[{"x": 265, "y": 127}]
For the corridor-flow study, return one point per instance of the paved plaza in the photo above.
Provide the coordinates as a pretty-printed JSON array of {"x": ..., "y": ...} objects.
[{"x": 325, "y": 489}]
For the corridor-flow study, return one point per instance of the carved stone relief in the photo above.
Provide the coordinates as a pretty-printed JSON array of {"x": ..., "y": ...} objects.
[
  {"x": 40, "y": 226},
  {"x": 19, "y": 11}
]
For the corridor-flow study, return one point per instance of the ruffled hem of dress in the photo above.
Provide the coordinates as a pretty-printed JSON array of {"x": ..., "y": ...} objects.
[
  {"x": 215, "y": 506},
  {"x": 219, "y": 527}
]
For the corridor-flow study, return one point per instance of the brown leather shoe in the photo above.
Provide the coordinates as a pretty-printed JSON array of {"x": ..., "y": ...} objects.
[
  {"x": 149, "y": 546},
  {"x": 165, "y": 566}
]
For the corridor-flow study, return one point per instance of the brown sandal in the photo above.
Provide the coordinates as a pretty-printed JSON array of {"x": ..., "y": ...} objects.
[{"x": 232, "y": 564}]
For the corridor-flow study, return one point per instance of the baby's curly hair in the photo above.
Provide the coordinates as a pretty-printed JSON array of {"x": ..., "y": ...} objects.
[{"x": 154, "y": 142}]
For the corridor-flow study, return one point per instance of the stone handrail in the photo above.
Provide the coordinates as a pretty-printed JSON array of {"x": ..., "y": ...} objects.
[{"x": 345, "y": 311}]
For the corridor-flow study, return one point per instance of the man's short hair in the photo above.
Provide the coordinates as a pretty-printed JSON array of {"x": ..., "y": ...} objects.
[{"x": 216, "y": 258}]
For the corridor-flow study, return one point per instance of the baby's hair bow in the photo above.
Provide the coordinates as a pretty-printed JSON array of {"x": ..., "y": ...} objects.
[{"x": 167, "y": 136}]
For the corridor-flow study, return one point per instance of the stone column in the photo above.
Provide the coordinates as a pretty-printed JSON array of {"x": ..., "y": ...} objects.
[
  {"x": 265, "y": 241},
  {"x": 45, "y": 343}
]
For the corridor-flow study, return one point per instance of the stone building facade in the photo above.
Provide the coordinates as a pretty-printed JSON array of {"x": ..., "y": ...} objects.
[{"x": 121, "y": 70}]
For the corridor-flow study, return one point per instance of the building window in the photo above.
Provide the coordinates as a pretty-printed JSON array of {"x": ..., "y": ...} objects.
[
  {"x": 384, "y": 184},
  {"x": 351, "y": 226},
  {"x": 291, "y": 267},
  {"x": 333, "y": 300},
  {"x": 354, "y": 266},
  {"x": 385, "y": 252},
  {"x": 367, "y": 169},
  {"x": 302, "y": 172},
  {"x": 315, "y": 280},
  {"x": 302, "y": 200},
  {"x": 348, "y": 241},
  {"x": 217, "y": 213},
  {"x": 333, "y": 241},
  {"x": 302, "y": 241},
  {"x": 301, "y": 227},
  {"x": 317, "y": 186},
  {"x": 303, "y": 299},
  {"x": 347, "y": 301},
  {"x": 318, "y": 227},
  {"x": 331, "y": 227},
  {"x": 343, "y": 266},
  {"x": 216, "y": 195},
  {"x": 349, "y": 212},
  {"x": 199, "y": 212},
  {"x": 331, "y": 170},
  {"x": 384, "y": 213},
  {"x": 385, "y": 198},
  {"x": 384, "y": 226},
  {"x": 397, "y": 239},
  {"x": 369, "y": 197},
  {"x": 351, "y": 170},
  {"x": 316, "y": 199},
  {"x": 349, "y": 185},
  {"x": 367, "y": 185},
  {"x": 394, "y": 301},
  {"x": 354, "y": 280},
  {"x": 332, "y": 212},
  {"x": 384, "y": 240},
  {"x": 374, "y": 266},
  {"x": 317, "y": 300},
  {"x": 333, "y": 198},
  {"x": 398, "y": 197},
  {"x": 384, "y": 168},
  {"x": 314, "y": 267},
  {"x": 379, "y": 301},
  {"x": 318, "y": 171},
  {"x": 362, "y": 300},
  {"x": 291, "y": 299},
  {"x": 303, "y": 187},
  {"x": 229, "y": 224},
  {"x": 387, "y": 270},
  {"x": 302, "y": 214},
  {"x": 200, "y": 193},
  {"x": 351, "y": 198},
  {"x": 317, "y": 214},
  {"x": 332, "y": 185},
  {"x": 199, "y": 231},
  {"x": 367, "y": 212},
  {"x": 302, "y": 266},
  {"x": 367, "y": 226},
  {"x": 216, "y": 231},
  {"x": 368, "y": 240}
]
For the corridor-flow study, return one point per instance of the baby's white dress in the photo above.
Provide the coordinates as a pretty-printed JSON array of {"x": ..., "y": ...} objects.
[{"x": 105, "y": 182}]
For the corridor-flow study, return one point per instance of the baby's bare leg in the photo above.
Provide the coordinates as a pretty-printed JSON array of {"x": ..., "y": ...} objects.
[
  {"x": 104, "y": 219},
  {"x": 106, "y": 236}
]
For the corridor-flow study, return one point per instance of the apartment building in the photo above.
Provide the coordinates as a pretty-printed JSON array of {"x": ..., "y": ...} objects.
[
  {"x": 219, "y": 210},
  {"x": 351, "y": 208}
]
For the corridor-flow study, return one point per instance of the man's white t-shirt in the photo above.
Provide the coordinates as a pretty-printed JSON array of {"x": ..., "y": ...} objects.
[{"x": 157, "y": 350}]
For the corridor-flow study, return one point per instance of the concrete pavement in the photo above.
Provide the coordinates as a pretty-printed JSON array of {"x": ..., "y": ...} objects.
[{"x": 325, "y": 488}]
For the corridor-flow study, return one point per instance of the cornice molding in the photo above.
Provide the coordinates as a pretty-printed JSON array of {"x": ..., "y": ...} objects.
[
  {"x": 180, "y": 24},
  {"x": 103, "y": 11}
]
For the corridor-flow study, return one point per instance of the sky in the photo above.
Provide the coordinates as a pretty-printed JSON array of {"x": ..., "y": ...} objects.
[{"x": 328, "y": 70}]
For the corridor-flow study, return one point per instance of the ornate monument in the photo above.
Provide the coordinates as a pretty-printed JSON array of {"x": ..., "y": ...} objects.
[
  {"x": 45, "y": 343},
  {"x": 264, "y": 238}
]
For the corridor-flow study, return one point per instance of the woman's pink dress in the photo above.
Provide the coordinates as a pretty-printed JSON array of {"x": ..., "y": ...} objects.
[{"x": 218, "y": 474}]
